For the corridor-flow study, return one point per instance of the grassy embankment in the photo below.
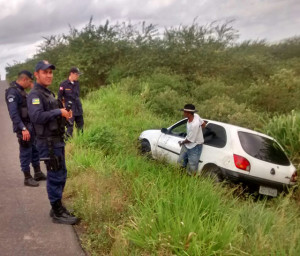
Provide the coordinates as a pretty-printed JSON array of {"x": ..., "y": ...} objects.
[
  {"x": 134, "y": 206},
  {"x": 131, "y": 205}
]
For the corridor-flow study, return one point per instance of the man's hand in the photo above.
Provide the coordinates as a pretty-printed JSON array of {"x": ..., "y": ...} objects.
[
  {"x": 26, "y": 135},
  {"x": 183, "y": 142},
  {"x": 66, "y": 114}
]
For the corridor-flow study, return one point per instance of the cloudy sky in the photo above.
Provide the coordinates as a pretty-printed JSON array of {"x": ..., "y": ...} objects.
[{"x": 24, "y": 23}]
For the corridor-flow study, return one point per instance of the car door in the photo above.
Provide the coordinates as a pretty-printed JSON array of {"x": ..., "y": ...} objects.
[
  {"x": 215, "y": 139},
  {"x": 167, "y": 145}
]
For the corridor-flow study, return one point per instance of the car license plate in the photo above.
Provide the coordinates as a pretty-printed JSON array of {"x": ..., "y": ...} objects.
[{"x": 268, "y": 191}]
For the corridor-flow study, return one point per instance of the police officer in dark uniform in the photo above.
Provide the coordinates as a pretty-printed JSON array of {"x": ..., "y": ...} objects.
[
  {"x": 16, "y": 100},
  {"x": 69, "y": 90},
  {"x": 48, "y": 117}
]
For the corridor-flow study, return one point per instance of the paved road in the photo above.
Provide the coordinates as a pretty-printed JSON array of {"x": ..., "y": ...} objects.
[{"x": 25, "y": 225}]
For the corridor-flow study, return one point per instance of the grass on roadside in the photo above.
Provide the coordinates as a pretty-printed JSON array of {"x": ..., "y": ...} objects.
[{"x": 131, "y": 205}]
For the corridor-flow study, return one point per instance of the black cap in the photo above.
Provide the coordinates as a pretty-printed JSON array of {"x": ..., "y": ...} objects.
[
  {"x": 27, "y": 73},
  {"x": 43, "y": 65},
  {"x": 75, "y": 70},
  {"x": 189, "y": 108}
]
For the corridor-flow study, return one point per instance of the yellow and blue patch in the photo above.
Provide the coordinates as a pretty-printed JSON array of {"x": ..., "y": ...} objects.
[{"x": 35, "y": 101}]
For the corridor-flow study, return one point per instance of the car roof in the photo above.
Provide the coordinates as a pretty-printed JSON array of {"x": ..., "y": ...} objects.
[{"x": 232, "y": 127}]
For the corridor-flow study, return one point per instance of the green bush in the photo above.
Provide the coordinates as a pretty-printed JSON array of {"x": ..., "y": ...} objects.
[
  {"x": 280, "y": 93},
  {"x": 225, "y": 109},
  {"x": 208, "y": 88},
  {"x": 166, "y": 103}
]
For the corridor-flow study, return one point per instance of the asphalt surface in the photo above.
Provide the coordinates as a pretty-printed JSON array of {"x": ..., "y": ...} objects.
[{"x": 25, "y": 225}]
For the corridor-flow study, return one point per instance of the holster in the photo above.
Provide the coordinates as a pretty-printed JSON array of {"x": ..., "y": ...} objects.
[{"x": 53, "y": 162}]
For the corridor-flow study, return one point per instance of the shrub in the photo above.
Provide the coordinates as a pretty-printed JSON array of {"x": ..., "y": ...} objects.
[
  {"x": 225, "y": 109},
  {"x": 208, "y": 88},
  {"x": 278, "y": 94}
]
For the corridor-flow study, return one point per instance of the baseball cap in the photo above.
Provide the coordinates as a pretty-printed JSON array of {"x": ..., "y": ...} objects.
[
  {"x": 75, "y": 70},
  {"x": 27, "y": 73},
  {"x": 43, "y": 65}
]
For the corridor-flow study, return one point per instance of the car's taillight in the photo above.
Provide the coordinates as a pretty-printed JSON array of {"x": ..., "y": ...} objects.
[
  {"x": 241, "y": 163},
  {"x": 294, "y": 177}
]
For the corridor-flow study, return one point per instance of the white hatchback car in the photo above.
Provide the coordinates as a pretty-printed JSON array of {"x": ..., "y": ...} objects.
[{"x": 229, "y": 152}]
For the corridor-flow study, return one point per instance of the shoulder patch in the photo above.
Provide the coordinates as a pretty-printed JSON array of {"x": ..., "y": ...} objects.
[
  {"x": 35, "y": 101},
  {"x": 61, "y": 88},
  {"x": 10, "y": 98}
]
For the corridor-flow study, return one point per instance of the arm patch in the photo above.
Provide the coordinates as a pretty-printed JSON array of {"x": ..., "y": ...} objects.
[
  {"x": 11, "y": 98},
  {"x": 35, "y": 101}
]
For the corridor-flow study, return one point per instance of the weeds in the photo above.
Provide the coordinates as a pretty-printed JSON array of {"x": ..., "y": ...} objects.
[{"x": 131, "y": 205}]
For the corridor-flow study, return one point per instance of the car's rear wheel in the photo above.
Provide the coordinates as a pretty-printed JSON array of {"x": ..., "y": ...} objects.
[
  {"x": 145, "y": 147},
  {"x": 213, "y": 172}
]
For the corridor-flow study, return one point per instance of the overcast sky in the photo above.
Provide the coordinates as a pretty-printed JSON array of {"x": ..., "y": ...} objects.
[{"x": 24, "y": 23}]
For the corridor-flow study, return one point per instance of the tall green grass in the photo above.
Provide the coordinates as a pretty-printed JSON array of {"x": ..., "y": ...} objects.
[
  {"x": 286, "y": 129},
  {"x": 131, "y": 205}
]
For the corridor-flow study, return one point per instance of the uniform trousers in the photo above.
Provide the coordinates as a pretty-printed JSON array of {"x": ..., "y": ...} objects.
[
  {"x": 28, "y": 154},
  {"x": 78, "y": 120},
  {"x": 56, "y": 179}
]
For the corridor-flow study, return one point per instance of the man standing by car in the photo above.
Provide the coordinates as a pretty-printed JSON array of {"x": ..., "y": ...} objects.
[
  {"x": 16, "y": 100},
  {"x": 48, "y": 118},
  {"x": 69, "y": 91},
  {"x": 191, "y": 146}
]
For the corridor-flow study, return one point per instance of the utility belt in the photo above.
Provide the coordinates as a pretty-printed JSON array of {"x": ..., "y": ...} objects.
[
  {"x": 52, "y": 139},
  {"x": 53, "y": 162}
]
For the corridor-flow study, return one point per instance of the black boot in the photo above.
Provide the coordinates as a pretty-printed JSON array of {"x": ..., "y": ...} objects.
[
  {"x": 29, "y": 181},
  {"x": 60, "y": 216},
  {"x": 65, "y": 210},
  {"x": 38, "y": 174}
]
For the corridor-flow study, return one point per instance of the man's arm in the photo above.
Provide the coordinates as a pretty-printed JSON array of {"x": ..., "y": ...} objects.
[
  {"x": 61, "y": 92},
  {"x": 37, "y": 113},
  {"x": 13, "y": 101},
  {"x": 36, "y": 110}
]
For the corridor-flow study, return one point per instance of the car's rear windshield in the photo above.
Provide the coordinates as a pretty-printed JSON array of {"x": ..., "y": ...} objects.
[{"x": 263, "y": 148}]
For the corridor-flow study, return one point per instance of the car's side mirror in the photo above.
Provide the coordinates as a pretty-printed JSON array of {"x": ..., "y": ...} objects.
[{"x": 164, "y": 130}]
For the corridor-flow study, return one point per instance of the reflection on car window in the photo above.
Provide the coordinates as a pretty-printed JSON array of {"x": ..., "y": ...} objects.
[
  {"x": 263, "y": 148},
  {"x": 179, "y": 129},
  {"x": 214, "y": 135}
]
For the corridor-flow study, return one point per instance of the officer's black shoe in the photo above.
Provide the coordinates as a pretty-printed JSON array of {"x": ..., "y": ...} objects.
[
  {"x": 60, "y": 216},
  {"x": 65, "y": 210},
  {"x": 64, "y": 218},
  {"x": 30, "y": 182},
  {"x": 39, "y": 176}
]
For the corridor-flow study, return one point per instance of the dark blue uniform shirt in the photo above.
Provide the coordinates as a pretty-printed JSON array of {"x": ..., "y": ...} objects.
[
  {"x": 14, "y": 102},
  {"x": 70, "y": 92},
  {"x": 36, "y": 108}
]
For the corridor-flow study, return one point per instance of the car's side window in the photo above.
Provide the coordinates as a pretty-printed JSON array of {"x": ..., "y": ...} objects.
[
  {"x": 179, "y": 129},
  {"x": 214, "y": 135}
]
